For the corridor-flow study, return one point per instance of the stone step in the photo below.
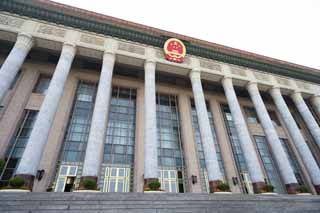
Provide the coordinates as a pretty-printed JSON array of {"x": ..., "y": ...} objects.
[{"x": 155, "y": 203}]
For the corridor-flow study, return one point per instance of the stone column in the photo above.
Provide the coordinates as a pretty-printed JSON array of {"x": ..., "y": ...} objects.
[
  {"x": 297, "y": 137},
  {"x": 188, "y": 142},
  {"x": 212, "y": 164},
  {"x": 31, "y": 157},
  {"x": 278, "y": 152},
  {"x": 14, "y": 61},
  {"x": 150, "y": 122},
  {"x": 50, "y": 156},
  {"x": 315, "y": 100},
  {"x": 246, "y": 144},
  {"x": 94, "y": 151},
  {"x": 307, "y": 116}
]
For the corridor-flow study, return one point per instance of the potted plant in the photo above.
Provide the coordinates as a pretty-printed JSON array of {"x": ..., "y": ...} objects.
[
  {"x": 153, "y": 186},
  {"x": 222, "y": 188},
  {"x": 268, "y": 189},
  {"x": 16, "y": 184},
  {"x": 87, "y": 185},
  {"x": 303, "y": 190},
  {"x": 2, "y": 163}
]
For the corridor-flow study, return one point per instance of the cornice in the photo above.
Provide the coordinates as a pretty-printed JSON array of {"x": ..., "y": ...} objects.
[{"x": 34, "y": 10}]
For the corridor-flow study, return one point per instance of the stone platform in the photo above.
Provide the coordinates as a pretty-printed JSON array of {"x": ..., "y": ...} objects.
[{"x": 156, "y": 203}]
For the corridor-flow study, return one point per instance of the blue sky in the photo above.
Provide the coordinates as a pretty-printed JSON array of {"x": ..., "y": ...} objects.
[{"x": 284, "y": 29}]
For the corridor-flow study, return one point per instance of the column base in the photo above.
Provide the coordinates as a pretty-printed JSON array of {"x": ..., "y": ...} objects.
[
  {"x": 82, "y": 185},
  {"x": 213, "y": 185},
  {"x": 147, "y": 181},
  {"x": 258, "y": 187},
  {"x": 317, "y": 188},
  {"x": 28, "y": 180},
  {"x": 292, "y": 188}
]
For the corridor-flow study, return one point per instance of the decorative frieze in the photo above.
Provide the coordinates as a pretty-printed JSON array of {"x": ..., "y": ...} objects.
[
  {"x": 13, "y": 22},
  {"x": 186, "y": 60},
  {"x": 45, "y": 29},
  {"x": 303, "y": 85},
  {"x": 283, "y": 81},
  {"x": 91, "y": 40},
  {"x": 238, "y": 71},
  {"x": 160, "y": 55},
  {"x": 131, "y": 48},
  {"x": 261, "y": 76},
  {"x": 210, "y": 65}
]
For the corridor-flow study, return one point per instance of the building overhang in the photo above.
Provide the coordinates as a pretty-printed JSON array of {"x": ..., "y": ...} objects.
[{"x": 85, "y": 20}]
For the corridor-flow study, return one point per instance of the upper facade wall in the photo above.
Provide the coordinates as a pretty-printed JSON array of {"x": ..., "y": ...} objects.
[{"x": 51, "y": 36}]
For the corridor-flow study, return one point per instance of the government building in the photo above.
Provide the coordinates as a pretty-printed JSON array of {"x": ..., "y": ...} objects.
[{"x": 85, "y": 96}]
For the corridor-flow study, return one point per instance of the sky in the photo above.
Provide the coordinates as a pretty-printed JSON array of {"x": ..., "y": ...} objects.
[{"x": 288, "y": 30}]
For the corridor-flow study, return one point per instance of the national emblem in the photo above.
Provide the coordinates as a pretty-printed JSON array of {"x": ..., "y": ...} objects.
[{"x": 174, "y": 50}]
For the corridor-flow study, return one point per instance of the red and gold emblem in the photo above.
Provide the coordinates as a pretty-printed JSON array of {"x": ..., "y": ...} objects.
[{"x": 174, "y": 50}]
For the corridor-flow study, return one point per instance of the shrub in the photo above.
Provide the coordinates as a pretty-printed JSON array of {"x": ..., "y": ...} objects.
[
  {"x": 154, "y": 185},
  {"x": 16, "y": 182},
  {"x": 303, "y": 189},
  {"x": 268, "y": 188},
  {"x": 89, "y": 184},
  {"x": 223, "y": 187},
  {"x": 2, "y": 163}
]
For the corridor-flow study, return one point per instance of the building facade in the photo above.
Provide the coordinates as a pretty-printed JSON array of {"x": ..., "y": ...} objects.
[{"x": 87, "y": 96}]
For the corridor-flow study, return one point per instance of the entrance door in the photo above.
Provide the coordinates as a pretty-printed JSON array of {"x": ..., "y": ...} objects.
[
  {"x": 117, "y": 180},
  {"x": 246, "y": 183},
  {"x": 66, "y": 178},
  {"x": 169, "y": 180},
  {"x": 69, "y": 184}
]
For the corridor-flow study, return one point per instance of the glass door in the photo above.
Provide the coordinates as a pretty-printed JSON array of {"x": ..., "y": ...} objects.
[{"x": 66, "y": 178}]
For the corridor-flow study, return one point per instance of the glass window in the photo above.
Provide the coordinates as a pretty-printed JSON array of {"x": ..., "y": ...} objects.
[
  {"x": 293, "y": 161},
  {"x": 42, "y": 85},
  {"x": 169, "y": 140},
  {"x": 269, "y": 166},
  {"x": 237, "y": 151},
  {"x": 120, "y": 138},
  {"x": 18, "y": 144},
  {"x": 274, "y": 118},
  {"x": 199, "y": 143},
  {"x": 251, "y": 115},
  {"x": 79, "y": 124}
]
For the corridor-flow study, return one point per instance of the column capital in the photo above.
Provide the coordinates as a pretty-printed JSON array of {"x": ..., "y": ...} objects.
[
  {"x": 24, "y": 41},
  {"x": 70, "y": 44},
  {"x": 68, "y": 49},
  {"x": 227, "y": 81},
  {"x": 149, "y": 65},
  {"x": 295, "y": 93},
  {"x": 150, "y": 60},
  {"x": 109, "y": 52},
  {"x": 251, "y": 83},
  {"x": 195, "y": 73},
  {"x": 226, "y": 77},
  {"x": 26, "y": 35},
  {"x": 274, "y": 88},
  {"x": 109, "y": 55}
]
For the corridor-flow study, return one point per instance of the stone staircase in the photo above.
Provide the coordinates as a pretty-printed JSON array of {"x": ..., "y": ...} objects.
[{"x": 156, "y": 203}]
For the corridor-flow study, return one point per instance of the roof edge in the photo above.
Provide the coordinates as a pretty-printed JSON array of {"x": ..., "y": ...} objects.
[{"x": 79, "y": 18}]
